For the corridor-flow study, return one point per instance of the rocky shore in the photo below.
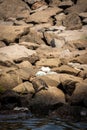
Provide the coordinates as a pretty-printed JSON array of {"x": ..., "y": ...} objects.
[{"x": 43, "y": 57}]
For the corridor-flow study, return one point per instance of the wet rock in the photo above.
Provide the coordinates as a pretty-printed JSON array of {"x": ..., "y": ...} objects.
[
  {"x": 46, "y": 98},
  {"x": 9, "y": 100},
  {"x": 70, "y": 113},
  {"x": 72, "y": 22}
]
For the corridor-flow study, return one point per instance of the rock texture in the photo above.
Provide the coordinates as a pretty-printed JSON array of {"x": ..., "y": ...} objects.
[{"x": 43, "y": 57}]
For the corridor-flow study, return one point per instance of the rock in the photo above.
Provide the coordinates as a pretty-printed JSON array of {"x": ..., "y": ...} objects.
[
  {"x": 35, "y": 34},
  {"x": 65, "y": 4},
  {"x": 6, "y": 22},
  {"x": 12, "y": 8},
  {"x": 31, "y": 1},
  {"x": 73, "y": 35},
  {"x": 10, "y": 80},
  {"x": 68, "y": 86},
  {"x": 58, "y": 43},
  {"x": 52, "y": 62},
  {"x": 70, "y": 113},
  {"x": 25, "y": 73},
  {"x": 47, "y": 98},
  {"x": 25, "y": 64},
  {"x": 83, "y": 15},
  {"x": 53, "y": 33},
  {"x": 17, "y": 53},
  {"x": 78, "y": 66},
  {"x": 2, "y": 44},
  {"x": 66, "y": 69},
  {"x": 12, "y": 33},
  {"x": 38, "y": 85},
  {"x": 37, "y": 5},
  {"x": 29, "y": 45},
  {"x": 79, "y": 7},
  {"x": 79, "y": 95},
  {"x": 49, "y": 80},
  {"x": 44, "y": 15},
  {"x": 82, "y": 59},
  {"x": 72, "y": 22},
  {"x": 53, "y": 2},
  {"x": 9, "y": 100},
  {"x": 25, "y": 87},
  {"x": 59, "y": 19},
  {"x": 19, "y": 23},
  {"x": 23, "y": 109},
  {"x": 85, "y": 21},
  {"x": 80, "y": 44}
]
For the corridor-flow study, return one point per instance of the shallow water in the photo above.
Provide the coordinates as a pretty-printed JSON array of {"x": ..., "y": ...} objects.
[{"x": 24, "y": 121}]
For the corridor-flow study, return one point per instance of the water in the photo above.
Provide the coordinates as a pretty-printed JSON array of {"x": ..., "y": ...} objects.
[{"x": 24, "y": 121}]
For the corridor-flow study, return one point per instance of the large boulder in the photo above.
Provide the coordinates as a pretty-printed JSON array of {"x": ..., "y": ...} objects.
[
  {"x": 12, "y": 33},
  {"x": 52, "y": 62},
  {"x": 10, "y": 80},
  {"x": 25, "y": 87},
  {"x": 13, "y": 8},
  {"x": 9, "y": 99},
  {"x": 72, "y": 22},
  {"x": 45, "y": 99},
  {"x": 79, "y": 95},
  {"x": 44, "y": 15},
  {"x": 16, "y": 53},
  {"x": 79, "y": 7}
]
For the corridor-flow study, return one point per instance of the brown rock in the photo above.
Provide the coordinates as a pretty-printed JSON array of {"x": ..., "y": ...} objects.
[
  {"x": 52, "y": 62},
  {"x": 16, "y": 53},
  {"x": 10, "y": 80},
  {"x": 79, "y": 95},
  {"x": 44, "y": 15},
  {"x": 25, "y": 87},
  {"x": 72, "y": 22},
  {"x": 82, "y": 59},
  {"x": 12, "y": 33},
  {"x": 2, "y": 44},
  {"x": 37, "y": 4},
  {"x": 12, "y": 8},
  {"x": 66, "y": 69},
  {"x": 48, "y": 97},
  {"x": 79, "y": 7}
]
